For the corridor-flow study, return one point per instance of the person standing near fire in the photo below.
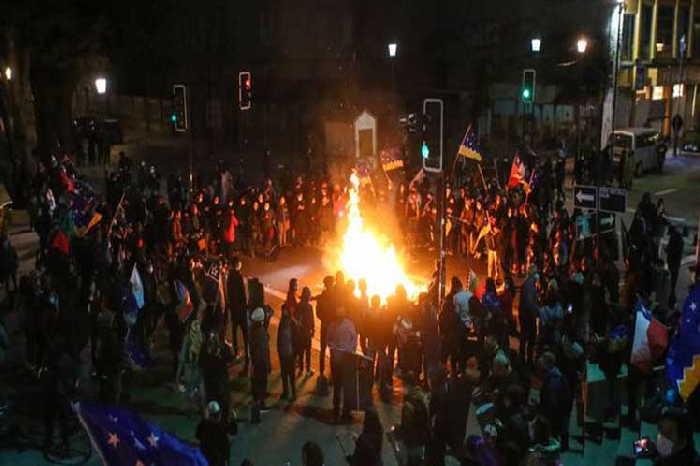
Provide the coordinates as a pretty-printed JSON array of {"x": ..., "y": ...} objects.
[{"x": 491, "y": 235}]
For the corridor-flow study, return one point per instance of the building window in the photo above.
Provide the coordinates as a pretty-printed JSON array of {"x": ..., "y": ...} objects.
[
  {"x": 664, "y": 32},
  {"x": 658, "y": 93},
  {"x": 626, "y": 41},
  {"x": 678, "y": 90},
  {"x": 645, "y": 36}
]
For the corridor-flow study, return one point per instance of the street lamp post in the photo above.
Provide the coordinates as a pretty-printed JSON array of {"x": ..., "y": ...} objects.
[
  {"x": 101, "y": 88},
  {"x": 581, "y": 47},
  {"x": 392, "y": 48}
]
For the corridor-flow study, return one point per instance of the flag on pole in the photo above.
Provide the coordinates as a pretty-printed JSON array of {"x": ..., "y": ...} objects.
[
  {"x": 121, "y": 437},
  {"x": 517, "y": 172},
  {"x": 137, "y": 287},
  {"x": 683, "y": 359},
  {"x": 469, "y": 147},
  {"x": 650, "y": 339}
]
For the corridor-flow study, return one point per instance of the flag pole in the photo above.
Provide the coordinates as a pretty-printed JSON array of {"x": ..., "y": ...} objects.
[
  {"x": 114, "y": 216},
  {"x": 483, "y": 181},
  {"x": 529, "y": 184}
]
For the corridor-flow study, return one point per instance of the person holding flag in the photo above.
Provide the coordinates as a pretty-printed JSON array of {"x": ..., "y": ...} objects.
[{"x": 648, "y": 346}]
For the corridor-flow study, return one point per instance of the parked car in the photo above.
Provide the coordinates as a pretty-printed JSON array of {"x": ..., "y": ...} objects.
[{"x": 643, "y": 147}]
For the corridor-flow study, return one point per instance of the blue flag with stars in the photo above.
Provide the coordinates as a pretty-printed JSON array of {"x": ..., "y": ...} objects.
[
  {"x": 121, "y": 438},
  {"x": 683, "y": 359},
  {"x": 469, "y": 147}
]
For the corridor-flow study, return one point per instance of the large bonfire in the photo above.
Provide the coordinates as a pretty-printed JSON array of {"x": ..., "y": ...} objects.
[{"x": 366, "y": 254}]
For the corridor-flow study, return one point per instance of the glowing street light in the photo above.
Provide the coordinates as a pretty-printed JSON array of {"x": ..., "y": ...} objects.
[
  {"x": 8, "y": 73},
  {"x": 392, "y": 49},
  {"x": 536, "y": 44},
  {"x": 101, "y": 85},
  {"x": 581, "y": 46}
]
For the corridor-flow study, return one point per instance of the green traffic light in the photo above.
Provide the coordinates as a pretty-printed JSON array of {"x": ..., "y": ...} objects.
[
  {"x": 425, "y": 150},
  {"x": 173, "y": 118},
  {"x": 526, "y": 94}
]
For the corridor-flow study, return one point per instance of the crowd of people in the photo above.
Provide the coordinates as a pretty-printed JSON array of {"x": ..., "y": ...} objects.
[{"x": 113, "y": 266}]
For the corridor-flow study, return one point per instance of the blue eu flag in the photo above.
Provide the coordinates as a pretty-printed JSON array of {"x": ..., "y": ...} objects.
[
  {"x": 122, "y": 438},
  {"x": 683, "y": 360}
]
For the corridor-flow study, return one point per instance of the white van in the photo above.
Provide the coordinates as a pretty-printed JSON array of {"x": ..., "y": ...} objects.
[{"x": 642, "y": 144}]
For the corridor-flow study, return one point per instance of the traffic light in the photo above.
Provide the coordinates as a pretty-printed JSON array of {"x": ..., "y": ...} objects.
[
  {"x": 179, "y": 115},
  {"x": 432, "y": 127},
  {"x": 245, "y": 90},
  {"x": 527, "y": 93}
]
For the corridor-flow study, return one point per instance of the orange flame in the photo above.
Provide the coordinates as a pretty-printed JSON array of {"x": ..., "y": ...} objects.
[{"x": 364, "y": 254}]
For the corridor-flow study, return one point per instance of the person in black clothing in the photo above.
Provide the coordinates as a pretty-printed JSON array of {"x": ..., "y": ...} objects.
[
  {"x": 109, "y": 357},
  {"x": 325, "y": 311},
  {"x": 368, "y": 446},
  {"x": 59, "y": 388},
  {"x": 213, "y": 440},
  {"x": 311, "y": 454},
  {"x": 259, "y": 356},
  {"x": 286, "y": 351},
  {"x": 238, "y": 303},
  {"x": 674, "y": 255},
  {"x": 439, "y": 417},
  {"x": 305, "y": 320},
  {"x": 213, "y": 362}
]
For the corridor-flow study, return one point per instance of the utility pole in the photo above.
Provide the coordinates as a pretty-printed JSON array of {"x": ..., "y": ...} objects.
[{"x": 433, "y": 161}]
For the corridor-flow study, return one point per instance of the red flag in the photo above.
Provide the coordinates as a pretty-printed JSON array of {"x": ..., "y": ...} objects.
[
  {"x": 61, "y": 242},
  {"x": 650, "y": 340},
  {"x": 517, "y": 172}
]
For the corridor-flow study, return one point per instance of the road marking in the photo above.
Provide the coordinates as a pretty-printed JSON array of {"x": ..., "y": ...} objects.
[
  {"x": 675, "y": 219},
  {"x": 665, "y": 191}
]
